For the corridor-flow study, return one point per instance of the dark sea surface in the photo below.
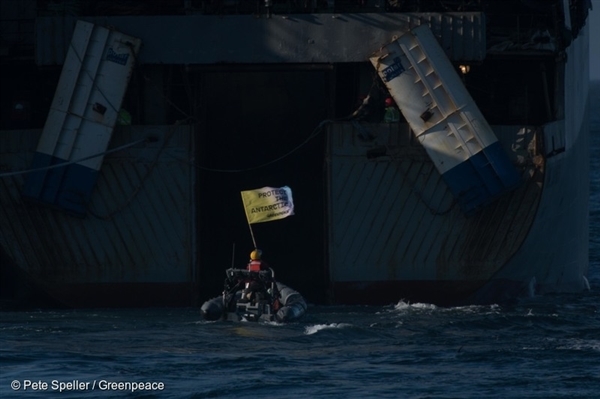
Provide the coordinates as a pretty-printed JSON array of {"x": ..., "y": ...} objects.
[{"x": 540, "y": 347}]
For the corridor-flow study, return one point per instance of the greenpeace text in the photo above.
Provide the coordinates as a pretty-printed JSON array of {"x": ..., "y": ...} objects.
[{"x": 77, "y": 385}]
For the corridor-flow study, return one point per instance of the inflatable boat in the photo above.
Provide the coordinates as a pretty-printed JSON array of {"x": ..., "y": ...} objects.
[{"x": 254, "y": 296}]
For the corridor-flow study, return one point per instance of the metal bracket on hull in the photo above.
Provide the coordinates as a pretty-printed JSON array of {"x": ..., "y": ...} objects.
[
  {"x": 82, "y": 117},
  {"x": 445, "y": 119}
]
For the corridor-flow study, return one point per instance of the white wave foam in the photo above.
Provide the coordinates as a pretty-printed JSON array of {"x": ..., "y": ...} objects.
[
  {"x": 309, "y": 330},
  {"x": 422, "y": 306},
  {"x": 406, "y": 306}
]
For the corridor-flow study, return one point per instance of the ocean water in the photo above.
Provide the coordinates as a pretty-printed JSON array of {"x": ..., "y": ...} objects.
[{"x": 540, "y": 347}]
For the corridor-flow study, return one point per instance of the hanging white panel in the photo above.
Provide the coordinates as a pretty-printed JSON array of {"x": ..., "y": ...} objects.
[
  {"x": 82, "y": 117},
  {"x": 445, "y": 119}
]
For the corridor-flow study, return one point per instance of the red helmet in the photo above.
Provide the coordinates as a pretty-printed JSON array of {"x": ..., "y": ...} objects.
[{"x": 389, "y": 102}]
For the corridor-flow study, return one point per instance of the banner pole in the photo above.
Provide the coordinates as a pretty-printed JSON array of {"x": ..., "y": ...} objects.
[{"x": 252, "y": 235}]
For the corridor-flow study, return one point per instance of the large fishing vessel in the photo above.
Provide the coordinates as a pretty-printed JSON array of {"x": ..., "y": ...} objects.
[{"x": 130, "y": 128}]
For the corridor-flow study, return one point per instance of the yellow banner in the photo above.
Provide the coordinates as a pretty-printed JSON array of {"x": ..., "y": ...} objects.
[{"x": 267, "y": 204}]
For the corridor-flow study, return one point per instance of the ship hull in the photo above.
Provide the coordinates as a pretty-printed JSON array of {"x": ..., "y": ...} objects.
[{"x": 376, "y": 221}]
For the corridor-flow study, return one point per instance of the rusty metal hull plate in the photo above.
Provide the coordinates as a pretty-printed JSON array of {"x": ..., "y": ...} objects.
[
  {"x": 393, "y": 218},
  {"x": 140, "y": 228}
]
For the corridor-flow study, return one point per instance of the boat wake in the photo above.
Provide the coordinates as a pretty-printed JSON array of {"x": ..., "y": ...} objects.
[{"x": 310, "y": 330}]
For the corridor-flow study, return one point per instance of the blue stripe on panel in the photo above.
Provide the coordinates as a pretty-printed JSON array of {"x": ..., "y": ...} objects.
[
  {"x": 487, "y": 175},
  {"x": 502, "y": 165},
  {"x": 76, "y": 189},
  {"x": 34, "y": 181},
  {"x": 466, "y": 186},
  {"x": 44, "y": 185},
  {"x": 69, "y": 188},
  {"x": 482, "y": 178}
]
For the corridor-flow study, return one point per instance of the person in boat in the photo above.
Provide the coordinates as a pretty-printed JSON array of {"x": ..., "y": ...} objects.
[
  {"x": 260, "y": 286},
  {"x": 252, "y": 294},
  {"x": 256, "y": 262}
]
